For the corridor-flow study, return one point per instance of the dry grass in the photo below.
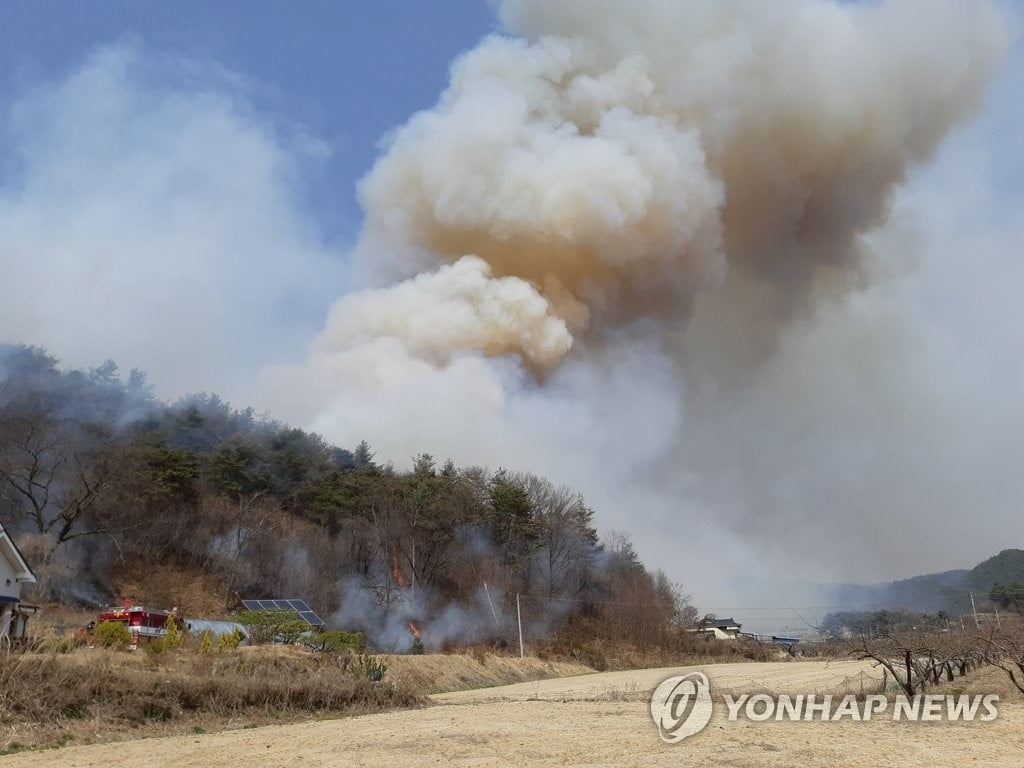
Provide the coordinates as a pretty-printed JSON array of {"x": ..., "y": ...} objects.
[
  {"x": 94, "y": 695},
  {"x": 605, "y": 656},
  {"x": 984, "y": 681},
  {"x": 443, "y": 673},
  {"x": 55, "y": 620}
]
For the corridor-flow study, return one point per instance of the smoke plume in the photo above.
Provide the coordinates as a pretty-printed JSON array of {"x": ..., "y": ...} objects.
[
  {"x": 624, "y": 158},
  {"x": 612, "y": 244}
]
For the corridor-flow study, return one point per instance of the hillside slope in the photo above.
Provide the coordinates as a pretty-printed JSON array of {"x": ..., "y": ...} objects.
[{"x": 945, "y": 591}]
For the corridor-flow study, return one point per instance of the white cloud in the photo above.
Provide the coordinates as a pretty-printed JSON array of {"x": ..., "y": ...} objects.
[{"x": 147, "y": 214}]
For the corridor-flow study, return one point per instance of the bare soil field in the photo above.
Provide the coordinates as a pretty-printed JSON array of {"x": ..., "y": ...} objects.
[{"x": 586, "y": 720}]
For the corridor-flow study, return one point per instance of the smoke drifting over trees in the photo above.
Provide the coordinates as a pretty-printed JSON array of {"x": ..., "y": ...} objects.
[
  {"x": 113, "y": 493},
  {"x": 691, "y": 258},
  {"x": 642, "y": 241}
]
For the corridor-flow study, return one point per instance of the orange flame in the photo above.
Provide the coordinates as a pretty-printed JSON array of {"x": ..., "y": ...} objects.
[
  {"x": 415, "y": 630},
  {"x": 396, "y": 571}
]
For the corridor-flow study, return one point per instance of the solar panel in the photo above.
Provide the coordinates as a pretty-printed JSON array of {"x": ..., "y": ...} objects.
[
  {"x": 311, "y": 618},
  {"x": 301, "y": 607}
]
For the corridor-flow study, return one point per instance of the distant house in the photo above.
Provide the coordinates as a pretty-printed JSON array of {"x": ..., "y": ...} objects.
[
  {"x": 719, "y": 629},
  {"x": 14, "y": 572}
]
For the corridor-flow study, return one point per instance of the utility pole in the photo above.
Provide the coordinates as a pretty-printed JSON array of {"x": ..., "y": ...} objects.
[
  {"x": 998, "y": 622},
  {"x": 519, "y": 620},
  {"x": 493, "y": 614},
  {"x": 977, "y": 623}
]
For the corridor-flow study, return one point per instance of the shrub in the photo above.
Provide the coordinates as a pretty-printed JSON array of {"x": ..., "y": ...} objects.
[
  {"x": 174, "y": 637},
  {"x": 369, "y": 668},
  {"x": 206, "y": 642},
  {"x": 272, "y": 626},
  {"x": 230, "y": 642},
  {"x": 334, "y": 641},
  {"x": 113, "y": 634}
]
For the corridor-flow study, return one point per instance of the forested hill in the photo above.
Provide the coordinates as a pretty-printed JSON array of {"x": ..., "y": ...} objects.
[
  {"x": 110, "y": 492},
  {"x": 949, "y": 591},
  {"x": 1005, "y": 568}
]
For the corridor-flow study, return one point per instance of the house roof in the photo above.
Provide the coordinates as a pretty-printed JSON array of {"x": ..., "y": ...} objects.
[
  {"x": 719, "y": 623},
  {"x": 10, "y": 550}
]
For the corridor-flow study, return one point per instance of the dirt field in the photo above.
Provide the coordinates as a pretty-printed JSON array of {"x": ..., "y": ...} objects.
[{"x": 588, "y": 720}]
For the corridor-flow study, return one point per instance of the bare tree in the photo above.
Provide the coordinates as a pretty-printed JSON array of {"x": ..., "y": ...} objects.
[
  {"x": 1003, "y": 646},
  {"x": 53, "y": 479},
  {"x": 917, "y": 660},
  {"x": 566, "y": 538},
  {"x": 386, "y": 511},
  {"x": 240, "y": 525}
]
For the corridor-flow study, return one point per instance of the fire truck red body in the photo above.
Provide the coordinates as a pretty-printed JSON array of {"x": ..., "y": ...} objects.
[{"x": 144, "y": 624}]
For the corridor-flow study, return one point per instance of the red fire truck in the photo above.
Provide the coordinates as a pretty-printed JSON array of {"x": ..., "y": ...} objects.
[{"x": 144, "y": 624}]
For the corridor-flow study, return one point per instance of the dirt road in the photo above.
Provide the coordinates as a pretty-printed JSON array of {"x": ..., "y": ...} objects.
[{"x": 590, "y": 720}]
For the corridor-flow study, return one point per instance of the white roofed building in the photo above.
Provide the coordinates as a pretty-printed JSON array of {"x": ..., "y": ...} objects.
[{"x": 14, "y": 572}]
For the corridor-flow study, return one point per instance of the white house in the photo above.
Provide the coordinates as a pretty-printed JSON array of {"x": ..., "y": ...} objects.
[
  {"x": 14, "y": 572},
  {"x": 720, "y": 629}
]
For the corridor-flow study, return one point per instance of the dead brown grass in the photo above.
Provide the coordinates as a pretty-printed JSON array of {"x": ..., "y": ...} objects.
[
  {"x": 983, "y": 681},
  {"x": 443, "y": 673},
  {"x": 55, "y": 620},
  {"x": 95, "y": 694},
  {"x": 605, "y": 656}
]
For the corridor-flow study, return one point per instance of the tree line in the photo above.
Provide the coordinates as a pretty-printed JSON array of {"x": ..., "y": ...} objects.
[{"x": 104, "y": 486}]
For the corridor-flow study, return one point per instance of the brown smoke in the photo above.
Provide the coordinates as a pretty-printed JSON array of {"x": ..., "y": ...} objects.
[
  {"x": 622, "y": 158},
  {"x": 649, "y": 203}
]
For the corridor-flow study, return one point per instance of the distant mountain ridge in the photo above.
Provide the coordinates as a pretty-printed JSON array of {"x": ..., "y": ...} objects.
[
  {"x": 945, "y": 591},
  {"x": 1004, "y": 568}
]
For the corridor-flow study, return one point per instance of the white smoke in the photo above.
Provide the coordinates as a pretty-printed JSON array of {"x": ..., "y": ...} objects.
[
  {"x": 629, "y": 249},
  {"x": 389, "y": 628},
  {"x": 149, "y": 215},
  {"x": 459, "y": 307}
]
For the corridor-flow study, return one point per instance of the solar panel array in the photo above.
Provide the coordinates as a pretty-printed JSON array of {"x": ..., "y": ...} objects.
[{"x": 301, "y": 607}]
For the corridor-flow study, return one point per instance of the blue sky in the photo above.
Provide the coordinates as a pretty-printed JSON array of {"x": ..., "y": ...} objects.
[
  {"x": 167, "y": 169},
  {"x": 347, "y": 70}
]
